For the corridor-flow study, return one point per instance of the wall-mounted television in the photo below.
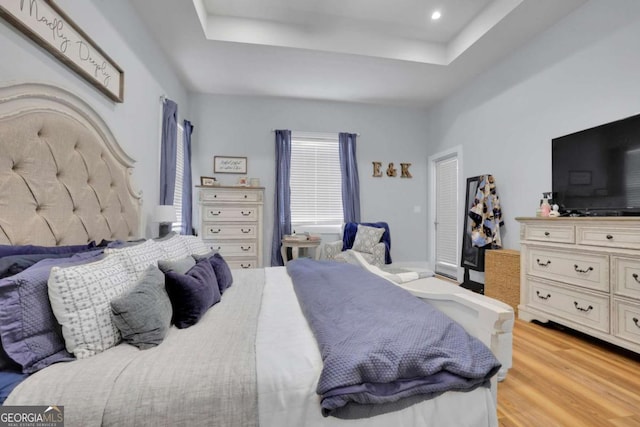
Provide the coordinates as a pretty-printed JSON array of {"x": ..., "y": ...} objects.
[{"x": 597, "y": 171}]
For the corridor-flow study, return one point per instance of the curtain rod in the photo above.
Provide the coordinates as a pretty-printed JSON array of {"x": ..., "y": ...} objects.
[{"x": 299, "y": 131}]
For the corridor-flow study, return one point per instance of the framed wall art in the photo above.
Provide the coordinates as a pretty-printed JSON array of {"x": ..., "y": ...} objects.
[
  {"x": 208, "y": 181},
  {"x": 226, "y": 164},
  {"x": 47, "y": 25}
]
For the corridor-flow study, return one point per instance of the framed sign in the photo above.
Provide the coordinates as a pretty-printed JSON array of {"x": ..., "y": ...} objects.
[
  {"x": 47, "y": 25},
  {"x": 208, "y": 181},
  {"x": 225, "y": 164}
]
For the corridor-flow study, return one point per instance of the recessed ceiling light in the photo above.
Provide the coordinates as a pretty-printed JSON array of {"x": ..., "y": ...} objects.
[{"x": 436, "y": 15}]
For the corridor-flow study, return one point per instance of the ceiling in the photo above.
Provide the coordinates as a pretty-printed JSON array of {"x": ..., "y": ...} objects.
[{"x": 372, "y": 51}]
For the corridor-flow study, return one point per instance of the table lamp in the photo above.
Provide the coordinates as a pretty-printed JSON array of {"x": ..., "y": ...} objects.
[{"x": 165, "y": 215}]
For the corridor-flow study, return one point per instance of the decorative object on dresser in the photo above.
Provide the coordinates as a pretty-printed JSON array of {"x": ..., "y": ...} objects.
[
  {"x": 165, "y": 215},
  {"x": 583, "y": 273},
  {"x": 231, "y": 223},
  {"x": 502, "y": 276},
  {"x": 208, "y": 181}
]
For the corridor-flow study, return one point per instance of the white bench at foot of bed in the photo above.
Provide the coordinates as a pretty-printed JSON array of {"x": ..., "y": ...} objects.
[{"x": 488, "y": 319}]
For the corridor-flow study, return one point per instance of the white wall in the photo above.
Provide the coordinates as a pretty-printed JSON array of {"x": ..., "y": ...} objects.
[
  {"x": 242, "y": 126},
  {"x": 115, "y": 27},
  {"x": 582, "y": 72}
]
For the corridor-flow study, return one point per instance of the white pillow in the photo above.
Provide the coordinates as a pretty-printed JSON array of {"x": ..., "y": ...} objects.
[
  {"x": 174, "y": 248},
  {"x": 366, "y": 238},
  {"x": 137, "y": 258},
  {"x": 196, "y": 245},
  {"x": 80, "y": 298}
]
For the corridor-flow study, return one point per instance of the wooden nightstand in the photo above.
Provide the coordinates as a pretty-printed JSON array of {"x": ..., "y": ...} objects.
[{"x": 296, "y": 245}]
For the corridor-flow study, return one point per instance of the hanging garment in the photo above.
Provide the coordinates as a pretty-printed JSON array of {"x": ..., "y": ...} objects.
[{"x": 485, "y": 215}]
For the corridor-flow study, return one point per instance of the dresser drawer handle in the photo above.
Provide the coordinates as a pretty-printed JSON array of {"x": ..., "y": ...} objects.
[
  {"x": 543, "y": 264},
  {"x": 245, "y": 213},
  {"x": 245, "y": 266},
  {"x": 609, "y": 237},
  {"x": 245, "y": 196},
  {"x": 248, "y": 230},
  {"x": 212, "y": 231},
  {"x": 546, "y": 233},
  {"x": 635, "y": 320},
  {"x": 214, "y": 213},
  {"x": 635, "y": 277},
  {"x": 248, "y": 248},
  {"x": 542, "y": 296},
  {"x": 577, "y": 269},
  {"x": 586, "y": 310}
]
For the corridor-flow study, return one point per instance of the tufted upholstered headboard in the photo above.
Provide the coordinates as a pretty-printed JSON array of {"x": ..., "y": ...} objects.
[{"x": 63, "y": 177}]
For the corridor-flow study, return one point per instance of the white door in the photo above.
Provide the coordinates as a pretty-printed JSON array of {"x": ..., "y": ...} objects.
[{"x": 446, "y": 216}]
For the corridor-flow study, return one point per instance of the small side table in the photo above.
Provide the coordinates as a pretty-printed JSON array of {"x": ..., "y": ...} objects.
[{"x": 295, "y": 246}]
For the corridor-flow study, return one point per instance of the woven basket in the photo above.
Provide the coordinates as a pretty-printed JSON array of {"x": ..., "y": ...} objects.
[{"x": 502, "y": 276}]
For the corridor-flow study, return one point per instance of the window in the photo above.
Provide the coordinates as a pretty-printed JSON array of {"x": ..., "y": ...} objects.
[
  {"x": 316, "y": 183},
  {"x": 177, "y": 191}
]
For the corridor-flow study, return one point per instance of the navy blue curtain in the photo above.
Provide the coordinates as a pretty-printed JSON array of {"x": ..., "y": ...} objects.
[
  {"x": 282, "y": 200},
  {"x": 187, "y": 189},
  {"x": 168, "y": 151},
  {"x": 350, "y": 180}
]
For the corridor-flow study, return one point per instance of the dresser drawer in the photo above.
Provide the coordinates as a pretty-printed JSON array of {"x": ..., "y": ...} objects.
[
  {"x": 582, "y": 269},
  {"x": 229, "y": 213},
  {"x": 625, "y": 276},
  {"x": 242, "y": 263},
  {"x": 614, "y": 237},
  {"x": 229, "y": 231},
  {"x": 230, "y": 195},
  {"x": 235, "y": 248},
  {"x": 584, "y": 308},
  {"x": 550, "y": 233},
  {"x": 628, "y": 321}
]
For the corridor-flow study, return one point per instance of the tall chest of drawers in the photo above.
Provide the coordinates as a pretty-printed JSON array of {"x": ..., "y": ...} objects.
[
  {"x": 231, "y": 222},
  {"x": 583, "y": 273}
]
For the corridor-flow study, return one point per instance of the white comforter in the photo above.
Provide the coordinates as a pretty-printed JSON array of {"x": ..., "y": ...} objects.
[{"x": 289, "y": 365}]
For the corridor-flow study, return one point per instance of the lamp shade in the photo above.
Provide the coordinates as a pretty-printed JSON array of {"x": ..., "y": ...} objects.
[{"x": 165, "y": 213}]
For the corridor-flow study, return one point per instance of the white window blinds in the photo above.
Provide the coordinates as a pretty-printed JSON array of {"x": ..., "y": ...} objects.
[
  {"x": 316, "y": 185},
  {"x": 177, "y": 191},
  {"x": 447, "y": 217}
]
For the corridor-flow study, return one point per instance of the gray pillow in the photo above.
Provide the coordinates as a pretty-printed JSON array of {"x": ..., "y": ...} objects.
[
  {"x": 180, "y": 266},
  {"x": 143, "y": 315},
  {"x": 366, "y": 238}
]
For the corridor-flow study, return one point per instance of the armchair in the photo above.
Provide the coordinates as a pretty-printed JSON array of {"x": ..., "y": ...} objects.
[{"x": 376, "y": 253}]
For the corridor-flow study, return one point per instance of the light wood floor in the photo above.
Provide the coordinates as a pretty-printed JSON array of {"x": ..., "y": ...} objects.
[{"x": 560, "y": 378}]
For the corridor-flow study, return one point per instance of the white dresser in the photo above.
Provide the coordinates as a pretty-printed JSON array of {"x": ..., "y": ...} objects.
[
  {"x": 583, "y": 273},
  {"x": 231, "y": 223}
]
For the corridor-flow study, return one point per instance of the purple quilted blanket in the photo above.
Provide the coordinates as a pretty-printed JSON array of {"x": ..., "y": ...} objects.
[{"x": 379, "y": 343}]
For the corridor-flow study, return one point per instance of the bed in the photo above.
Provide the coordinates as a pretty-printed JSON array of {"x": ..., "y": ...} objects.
[{"x": 64, "y": 180}]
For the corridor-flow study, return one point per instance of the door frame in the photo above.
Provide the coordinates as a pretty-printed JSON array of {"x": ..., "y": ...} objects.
[{"x": 431, "y": 217}]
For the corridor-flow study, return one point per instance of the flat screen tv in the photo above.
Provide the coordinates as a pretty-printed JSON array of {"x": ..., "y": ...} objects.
[{"x": 597, "y": 171}]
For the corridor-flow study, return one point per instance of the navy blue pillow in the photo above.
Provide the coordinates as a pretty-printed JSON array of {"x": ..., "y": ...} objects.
[
  {"x": 222, "y": 270},
  {"x": 14, "y": 264},
  {"x": 192, "y": 294},
  {"x": 220, "y": 267},
  {"x": 7, "y": 250}
]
